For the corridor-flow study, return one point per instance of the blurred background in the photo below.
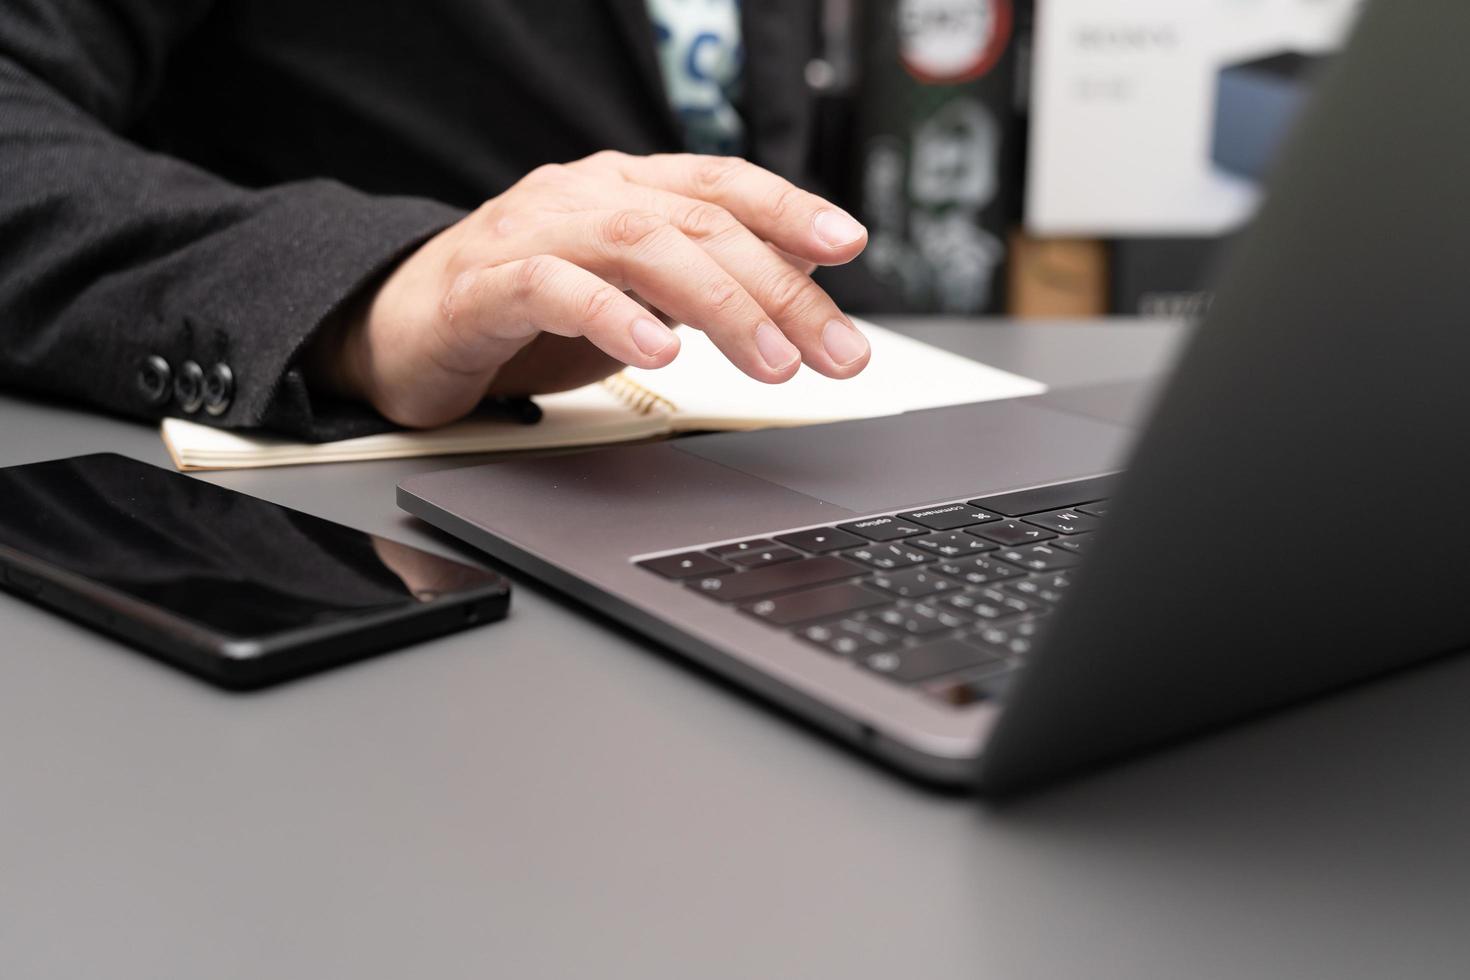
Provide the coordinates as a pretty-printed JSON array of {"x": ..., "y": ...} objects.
[{"x": 1059, "y": 158}]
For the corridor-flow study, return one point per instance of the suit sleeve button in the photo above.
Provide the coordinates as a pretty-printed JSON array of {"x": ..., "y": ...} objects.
[
  {"x": 155, "y": 380},
  {"x": 219, "y": 389},
  {"x": 189, "y": 386}
]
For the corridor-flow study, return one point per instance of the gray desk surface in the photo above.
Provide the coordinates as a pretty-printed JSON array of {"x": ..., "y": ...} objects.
[{"x": 547, "y": 797}]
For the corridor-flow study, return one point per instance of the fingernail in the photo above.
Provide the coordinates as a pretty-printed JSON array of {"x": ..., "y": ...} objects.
[
  {"x": 837, "y": 228},
  {"x": 651, "y": 336},
  {"x": 843, "y": 343},
  {"x": 775, "y": 349}
]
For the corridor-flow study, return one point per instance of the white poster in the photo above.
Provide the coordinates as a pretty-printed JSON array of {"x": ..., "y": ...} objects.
[{"x": 1123, "y": 108}]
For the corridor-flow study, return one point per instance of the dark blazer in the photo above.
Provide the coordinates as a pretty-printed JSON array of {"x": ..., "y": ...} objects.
[{"x": 208, "y": 180}]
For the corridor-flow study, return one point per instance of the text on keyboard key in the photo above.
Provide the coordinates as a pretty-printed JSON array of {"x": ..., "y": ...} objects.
[
  {"x": 1011, "y": 532},
  {"x": 742, "y": 547},
  {"x": 979, "y": 571},
  {"x": 889, "y": 556},
  {"x": 991, "y": 603},
  {"x": 917, "y": 620},
  {"x": 948, "y": 616},
  {"x": 953, "y": 544},
  {"x": 949, "y": 517},
  {"x": 820, "y": 539},
  {"x": 1064, "y": 521},
  {"x": 884, "y": 528},
  {"x": 1077, "y": 544},
  {"x": 773, "y": 555},
  {"x": 691, "y": 564},
  {"x": 1041, "y": 558},
  {"x": 848, "y": 637},
  {"x": 913, "y": 583},
  {"x": 1015, "y": 639},
  {"x": 1047, "y": 588}
]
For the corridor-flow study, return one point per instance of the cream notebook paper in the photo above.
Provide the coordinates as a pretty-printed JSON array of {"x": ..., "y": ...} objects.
[{"x": 700, "y": 390}]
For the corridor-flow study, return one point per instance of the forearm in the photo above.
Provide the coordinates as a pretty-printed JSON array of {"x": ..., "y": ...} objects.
[{"x": 110, "y": 255}]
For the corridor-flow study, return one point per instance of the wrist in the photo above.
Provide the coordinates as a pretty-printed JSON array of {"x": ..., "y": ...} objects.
[{"x": 332, "y": 361}]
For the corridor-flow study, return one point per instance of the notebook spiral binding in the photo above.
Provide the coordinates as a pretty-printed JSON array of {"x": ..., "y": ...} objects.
[{"x": 640, "y": 399}]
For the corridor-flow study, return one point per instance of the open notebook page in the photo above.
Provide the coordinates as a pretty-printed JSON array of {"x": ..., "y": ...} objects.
[
  {"x": 903, "y": 375},
  {"x": 587, "y": 416}
]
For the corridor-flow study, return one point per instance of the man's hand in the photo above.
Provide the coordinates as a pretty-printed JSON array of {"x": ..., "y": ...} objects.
[{"x": 484, "y": 306}]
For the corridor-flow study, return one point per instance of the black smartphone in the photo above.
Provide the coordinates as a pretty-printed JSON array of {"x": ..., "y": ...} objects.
[{"x": 237, "y": 590}]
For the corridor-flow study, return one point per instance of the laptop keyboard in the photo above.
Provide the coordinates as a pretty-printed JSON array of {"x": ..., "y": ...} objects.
[{"x": 948, "y": 599}]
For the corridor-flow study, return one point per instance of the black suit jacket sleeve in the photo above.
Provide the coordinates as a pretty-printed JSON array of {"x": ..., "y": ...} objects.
[{"x": 110, "y": 253}]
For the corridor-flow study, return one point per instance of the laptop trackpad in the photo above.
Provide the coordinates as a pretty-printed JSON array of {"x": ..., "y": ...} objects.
[{"x": 943, "y": 453}]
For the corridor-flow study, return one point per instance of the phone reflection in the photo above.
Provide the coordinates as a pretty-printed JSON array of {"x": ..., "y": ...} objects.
[
  {"x": 424, "y": 575},
  {"x": 233, "y": 563}
]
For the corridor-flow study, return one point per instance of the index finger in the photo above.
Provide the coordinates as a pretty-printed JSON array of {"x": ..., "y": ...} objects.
[{"x": 794, "y": 220}]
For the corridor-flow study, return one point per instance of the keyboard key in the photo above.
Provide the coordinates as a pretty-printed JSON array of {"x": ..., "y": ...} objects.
[
  {"x": 818, "y": 633},
  {"x": 950, "y": 516},
  {"x": 848, "y": 637},
  {"x": 804, "y": 607},
  {"x": 889, "y": 556},
  {"x": 1064, "y": 522},
  {"x": 979, "y": 571},
  {"x": 785, "y": 577},
  {"x": 1014, "y": 639},
  {"x": 691, "y": 564},
  {"x": 955, "y": 544},
  {"x": 820, "y": 540},
  {"x": 986, "y": 683},
  {"x": 930, "y": 660},
  {"x": 1077, "y": 544},
  {"x": 1012, "y": 533},
  {"x": 912, "y": 584},
  {"x": 773, "y": 555},
  {"x": 1098, "y": 508},
  {"x": 920, "y": 620},
  {"x": 1041, "y": 557},
  {"x": 991, "y": 603},
  {"x": 1047, "y": 588},
  {"x": 884, "y": 528},
  {"x": 1023, "y": 502},
  {"x": 743, "y": 547},
  {"x": 948, "y": 616}
]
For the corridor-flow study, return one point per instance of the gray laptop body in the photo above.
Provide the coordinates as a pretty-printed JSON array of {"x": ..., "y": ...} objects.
[{"x": 1290, "y": 520}]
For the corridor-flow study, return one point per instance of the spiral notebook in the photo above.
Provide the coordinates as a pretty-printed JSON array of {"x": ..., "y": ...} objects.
[{"x": 699, "y": 391}]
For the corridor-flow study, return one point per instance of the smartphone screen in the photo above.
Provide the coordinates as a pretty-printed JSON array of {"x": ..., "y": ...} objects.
[{"x": 230, "y": 564}]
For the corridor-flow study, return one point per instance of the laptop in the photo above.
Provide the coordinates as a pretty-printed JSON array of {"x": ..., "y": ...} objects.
[{"x": 1001, "y": 593}]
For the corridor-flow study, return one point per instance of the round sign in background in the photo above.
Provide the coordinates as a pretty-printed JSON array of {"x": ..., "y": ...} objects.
[{"x": 944, "y": 42}]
